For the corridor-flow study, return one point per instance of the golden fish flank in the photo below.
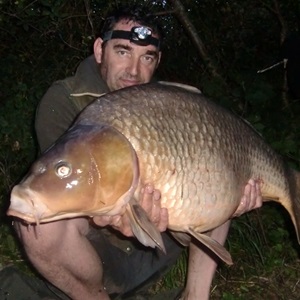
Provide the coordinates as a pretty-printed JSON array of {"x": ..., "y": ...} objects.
[{"x": 198, "y": 155}]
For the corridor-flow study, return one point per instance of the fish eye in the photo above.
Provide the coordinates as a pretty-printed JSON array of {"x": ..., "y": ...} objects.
[{"x": 63, "y": 169}]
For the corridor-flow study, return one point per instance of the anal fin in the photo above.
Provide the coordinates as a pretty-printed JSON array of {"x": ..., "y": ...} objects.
[{"x": 213, "y": 245}]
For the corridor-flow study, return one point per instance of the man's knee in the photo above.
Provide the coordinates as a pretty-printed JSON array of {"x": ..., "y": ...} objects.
[{"x": 44, "y": 240}]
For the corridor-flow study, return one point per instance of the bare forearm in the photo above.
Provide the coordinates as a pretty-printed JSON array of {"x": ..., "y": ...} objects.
[{"x": 63, "y": 255}]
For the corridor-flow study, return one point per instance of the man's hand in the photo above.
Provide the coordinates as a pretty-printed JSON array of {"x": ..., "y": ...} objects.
[
  {"x": 150, "y": 202},
  {"x": 251, "y": 199}
]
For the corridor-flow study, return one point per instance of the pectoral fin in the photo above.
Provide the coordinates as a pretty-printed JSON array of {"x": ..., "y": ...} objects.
[
  {"x": 213, "y": 245},
  {"x": 144, "y": 230}
]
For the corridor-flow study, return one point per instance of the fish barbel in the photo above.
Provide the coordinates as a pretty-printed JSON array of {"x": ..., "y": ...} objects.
[{"x": 198, "y": 154}]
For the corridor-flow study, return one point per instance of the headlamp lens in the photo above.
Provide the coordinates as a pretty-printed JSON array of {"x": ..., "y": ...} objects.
[{"x": 141, "y": 32}]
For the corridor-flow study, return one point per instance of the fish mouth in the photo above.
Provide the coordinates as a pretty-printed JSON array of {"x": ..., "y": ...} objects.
[
  {"x": 27, "y": 206},
  {"x": 24, "y": 207}
]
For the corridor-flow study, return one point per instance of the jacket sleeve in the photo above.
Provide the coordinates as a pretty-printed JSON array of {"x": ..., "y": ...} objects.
[{"x": 55, "y": 114}]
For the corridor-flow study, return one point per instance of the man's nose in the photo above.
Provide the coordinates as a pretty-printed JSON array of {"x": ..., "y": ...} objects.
[{"x": 133, "y": 66}]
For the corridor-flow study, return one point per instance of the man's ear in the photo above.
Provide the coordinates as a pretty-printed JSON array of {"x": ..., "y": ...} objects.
[{"x": 98, "y": 50}]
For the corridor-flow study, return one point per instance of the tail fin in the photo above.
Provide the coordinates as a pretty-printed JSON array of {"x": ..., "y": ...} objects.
[{"x": 294, "y": 211}]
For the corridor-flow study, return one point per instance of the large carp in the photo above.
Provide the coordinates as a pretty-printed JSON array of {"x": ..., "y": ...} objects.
[{"x": 198, "y": 154}]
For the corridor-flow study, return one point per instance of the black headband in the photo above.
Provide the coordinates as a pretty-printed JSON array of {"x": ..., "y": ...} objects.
[{"x": 140, "y": 35}]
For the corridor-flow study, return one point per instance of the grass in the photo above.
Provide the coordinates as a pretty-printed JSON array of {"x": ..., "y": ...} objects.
[{"x": 266, "y": 258}]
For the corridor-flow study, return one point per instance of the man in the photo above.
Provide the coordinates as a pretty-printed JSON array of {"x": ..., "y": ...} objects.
[{"x": 83, "y": 260}]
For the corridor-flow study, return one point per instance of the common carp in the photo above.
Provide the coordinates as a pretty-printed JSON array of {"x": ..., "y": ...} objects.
[{"x": 198, "y": 154}]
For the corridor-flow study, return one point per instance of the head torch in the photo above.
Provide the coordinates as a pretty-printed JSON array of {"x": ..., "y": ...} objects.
[{"x": 140, "y": 35}]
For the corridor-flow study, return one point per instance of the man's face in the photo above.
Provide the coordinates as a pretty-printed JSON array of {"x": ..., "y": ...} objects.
[{"x": 124, "y": 63}]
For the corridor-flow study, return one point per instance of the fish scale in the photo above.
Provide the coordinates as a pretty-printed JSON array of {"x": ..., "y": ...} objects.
[
  {"x": 212, "y": 134},
  {"x": 198, "y": 154}
]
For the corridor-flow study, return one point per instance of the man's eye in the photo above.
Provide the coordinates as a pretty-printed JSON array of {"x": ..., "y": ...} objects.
[
  {"x": 122, "y": 52},
  {"x": 148, "y": 59}
]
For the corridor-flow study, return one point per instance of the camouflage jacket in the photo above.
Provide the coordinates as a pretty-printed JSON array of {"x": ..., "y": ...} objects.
[{"x": 65, "y": 99}]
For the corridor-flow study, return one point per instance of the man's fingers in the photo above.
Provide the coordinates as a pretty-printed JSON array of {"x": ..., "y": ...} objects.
[
  {"x": 146, "y": 198},
  {"x": 102, "y": 220},
  {"x": 156, "y": 208},
  {"x": 150, "y": 202},
  {"x": 254, "y": 193},
  {"x": 251, "y": 199},
  {"x": 122, "y": 224},
  {"x": 242, "y": 208},
  {"x": 259, "y": 200},
  {"x": 164, "y": 219}
]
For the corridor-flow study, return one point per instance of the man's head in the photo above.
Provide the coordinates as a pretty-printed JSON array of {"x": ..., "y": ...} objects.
[{"x": 128, "y": 49}]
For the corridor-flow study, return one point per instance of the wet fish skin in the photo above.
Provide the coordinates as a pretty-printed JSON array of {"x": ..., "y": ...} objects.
[
  {"x": 52, "y": 197},
  {"x": 199, "y": 155}
]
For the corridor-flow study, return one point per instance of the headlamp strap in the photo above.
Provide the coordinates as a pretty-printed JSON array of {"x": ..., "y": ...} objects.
[{"x": 140, "y": 35}]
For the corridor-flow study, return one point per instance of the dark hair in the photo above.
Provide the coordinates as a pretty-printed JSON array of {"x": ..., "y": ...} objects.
[{"x": 136, "y": 13}]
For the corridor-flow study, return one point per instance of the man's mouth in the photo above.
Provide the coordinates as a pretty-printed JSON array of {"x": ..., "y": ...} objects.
[{"x": 128, "y": 82}]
